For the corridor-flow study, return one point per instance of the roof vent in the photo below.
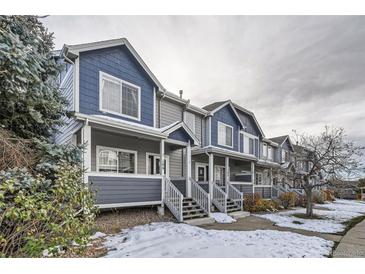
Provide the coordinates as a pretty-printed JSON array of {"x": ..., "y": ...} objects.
[{"x": 181, "y": 93}]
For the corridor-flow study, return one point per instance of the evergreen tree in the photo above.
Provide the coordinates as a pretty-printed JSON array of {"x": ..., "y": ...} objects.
[{"x": 30, "y": 104}]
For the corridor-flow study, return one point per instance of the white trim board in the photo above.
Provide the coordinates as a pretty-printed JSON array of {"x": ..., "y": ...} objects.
[
  {"x": 218, "y": 139},
  {"x": 116, "y": 205}
]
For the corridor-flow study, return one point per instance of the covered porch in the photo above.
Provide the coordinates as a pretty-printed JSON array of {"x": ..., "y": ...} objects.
[{"x": 128, "y": 165}]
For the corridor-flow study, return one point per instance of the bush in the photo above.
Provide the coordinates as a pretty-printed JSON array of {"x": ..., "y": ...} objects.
[
  {"x": 301, "y": 200},
  {"x": 329, "y": 195},
  {"x": 254, "y": 203},
  {"x": 288, "y": 199},
  {"x": 38, "y": 214},
  {"x": 318, "y": 197}
]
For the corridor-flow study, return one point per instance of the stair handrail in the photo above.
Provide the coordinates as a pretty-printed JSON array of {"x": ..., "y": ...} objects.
[
  {"x": 173, "y": 199},
  {"x": 235, "y": 195},
  {"x": 219, "y": 198},
  {"x": 200, "y": 196}
]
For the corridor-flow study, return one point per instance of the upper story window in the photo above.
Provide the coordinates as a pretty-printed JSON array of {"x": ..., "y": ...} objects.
[
  {"x": 115, "y": 160},
  {"x": 264, "y": 150},
  {"x": 225, "y": 135},
  {"x": 284, "y": 155},
  {"x": 249, "y": 145},
  {"x": 270, "y": 153},
  {"x": 190, "y": 120},
  {"x": 119, "y": 97}
]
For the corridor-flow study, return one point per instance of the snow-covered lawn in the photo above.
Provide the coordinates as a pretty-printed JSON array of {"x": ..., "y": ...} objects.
[
  {"x": 333, "y": 214},
  {"x": 222, "y": 218},
  {"x": 182, "y": 240}
]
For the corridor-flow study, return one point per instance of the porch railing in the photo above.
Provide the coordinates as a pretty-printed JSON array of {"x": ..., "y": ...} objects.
[
  {"x": 174, "y": 199},
  {"x": 219, "y": 198},
  {"x": 235, "y": 195},
  {"x": 200, "y": 196}
]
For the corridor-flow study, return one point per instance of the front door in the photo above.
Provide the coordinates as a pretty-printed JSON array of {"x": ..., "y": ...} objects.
[
  {"x": 153, "y": 164},
  {"x": 201, "y": 172}
]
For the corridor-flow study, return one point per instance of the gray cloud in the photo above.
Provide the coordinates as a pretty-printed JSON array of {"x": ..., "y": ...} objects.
[{"x": 294, "y": 72}]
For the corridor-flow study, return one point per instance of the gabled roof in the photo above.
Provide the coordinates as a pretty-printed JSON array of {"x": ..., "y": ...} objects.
[
  {"x": 281, "y": 139},
  {"x": 216, "y": 106},
  {"x": 75, "y": 49},
  {"x": 252, "y": 115},
  {"x": 177, "y": 125}
]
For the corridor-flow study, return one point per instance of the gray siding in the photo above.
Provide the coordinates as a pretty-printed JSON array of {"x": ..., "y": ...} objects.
[
  {"x": 157, "y": 111},
  {"x": 71, "y": 126},
  {"x": 176, "y": 163},
  {"x": 265, "y": 192},
  {"x": 100, "y": 138},
  {"x": 245, "y": 189},
  {"x": 112, "y": 190},
  {"x": 170, "y": 113},
  {"x": 180, "y": 185}
]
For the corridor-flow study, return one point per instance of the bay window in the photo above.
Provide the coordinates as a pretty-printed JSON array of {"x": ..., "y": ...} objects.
[
  {"x": 225, "y": 135},
  {"x": 119, "y": 97},
  {"x": 115, "y": 160}
]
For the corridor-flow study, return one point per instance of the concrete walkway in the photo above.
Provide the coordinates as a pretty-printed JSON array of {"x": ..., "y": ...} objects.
[
  {"x": 255, "y": 223},
  {"x": 352, "y": 245}
]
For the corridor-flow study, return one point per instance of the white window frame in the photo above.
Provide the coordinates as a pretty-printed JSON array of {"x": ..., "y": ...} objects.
[
  {"x": 248, "y": 135},
  {"x": 192, "y": 115},
  {"x": 158, "y": 156},
  {"x": 103, "y": 75},
  {"x": 225, "y": 137},
  {"x": 262, "y": 178},
  {"x": 98, "y": 148},
  {"x": 206, "y": 175},
  {"x": 265, "y": 150},
  {"x": 270, "y": 153}
]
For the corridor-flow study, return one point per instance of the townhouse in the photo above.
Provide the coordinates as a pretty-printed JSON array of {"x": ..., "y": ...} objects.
[{"x": 148, "y": 146}]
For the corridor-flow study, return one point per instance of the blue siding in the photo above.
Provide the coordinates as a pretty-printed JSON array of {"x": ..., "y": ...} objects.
[
  {"x": 227, "y": 116},
  {"x": 180, "y": 135},
  {"x": 249, "y": 123},
  {"x": 119, "y": 62}
]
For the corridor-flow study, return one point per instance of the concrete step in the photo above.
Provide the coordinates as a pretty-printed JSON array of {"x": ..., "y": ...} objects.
[{"x": 194, "y": 216}]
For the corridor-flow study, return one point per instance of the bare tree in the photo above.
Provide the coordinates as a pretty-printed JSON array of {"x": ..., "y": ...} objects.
[{"x": 330, "y": 157}]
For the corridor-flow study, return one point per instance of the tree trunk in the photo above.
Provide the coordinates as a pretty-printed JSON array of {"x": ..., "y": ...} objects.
[{"x": 309, "y": 208}]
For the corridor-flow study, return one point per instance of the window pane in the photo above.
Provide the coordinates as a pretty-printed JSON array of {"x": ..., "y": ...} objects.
[
  {"x": 108, "y": 161},
  {"x": 251, "y": 146},
  {"x": 130, "y": 100},
  {"x": 126, "y": 162},
  {"x": 221, "y": 134},
  {"x": 228, "y": 136},
  {"x": 111, "y": 96}
]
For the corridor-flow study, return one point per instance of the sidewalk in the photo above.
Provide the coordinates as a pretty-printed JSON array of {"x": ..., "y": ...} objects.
[{"x": 352, "y": 245}]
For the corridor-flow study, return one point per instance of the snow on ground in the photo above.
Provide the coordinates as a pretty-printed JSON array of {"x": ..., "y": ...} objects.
[
  {"x": 159, "y": 240},
  {"x": 334, "y": 215},
  {"x": 222, "y": 218},
  {"x": 97, "y": 235}
]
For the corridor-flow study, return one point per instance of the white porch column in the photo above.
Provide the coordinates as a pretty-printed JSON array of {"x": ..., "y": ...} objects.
[
  {"x": 253, "y": 175},
  {"x": 228, "y": 172},
  {"x": 86, "y": 139},
  {"x": 162, "y": 157},
  {"x": 211, "y": 174},
  {"x": 188, "y": 170}
]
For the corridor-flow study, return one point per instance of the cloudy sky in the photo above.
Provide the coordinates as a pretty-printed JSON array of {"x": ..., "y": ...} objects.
[{"x": 293, "y": 72}]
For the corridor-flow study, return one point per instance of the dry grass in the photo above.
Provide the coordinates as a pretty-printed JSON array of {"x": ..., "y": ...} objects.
[{"x": 114, "y": 221}]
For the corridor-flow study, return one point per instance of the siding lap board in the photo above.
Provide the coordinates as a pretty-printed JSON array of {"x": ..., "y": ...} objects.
[{"x": 112, "y": 190}]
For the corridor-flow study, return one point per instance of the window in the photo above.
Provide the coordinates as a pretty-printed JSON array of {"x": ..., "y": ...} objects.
[
  {"x": 259, "y": 178},
  {"x": 264, "y": 150},
  {"x": 190, "y": 121},
  {"x": 116, "y": 160},
  {"x": 153, "y": 164},
  {"x": 119, "y": 97},
  {"x": 225, "y": 135},
  {"x": 270, "y": 153},
  {"x": 284, "y": 155},
  {"x": 249, "y": 144}
]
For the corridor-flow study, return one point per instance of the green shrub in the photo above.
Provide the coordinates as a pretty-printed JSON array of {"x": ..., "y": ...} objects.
[
  {"x": 288, "y": 199},
  {"x": 37, "y": 214}
]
